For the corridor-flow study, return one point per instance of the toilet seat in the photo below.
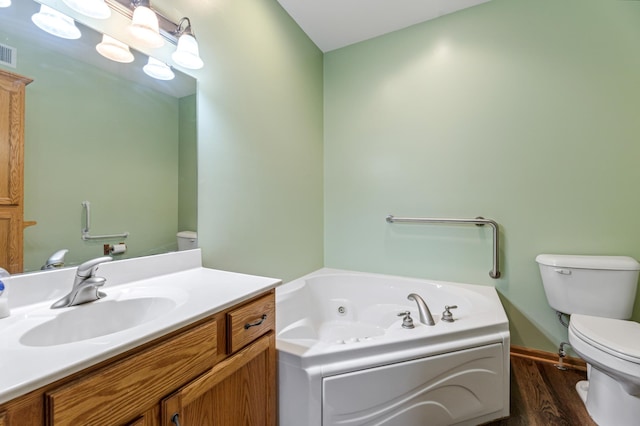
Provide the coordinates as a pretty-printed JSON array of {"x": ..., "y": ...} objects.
[{"x": 618, "y": 338}]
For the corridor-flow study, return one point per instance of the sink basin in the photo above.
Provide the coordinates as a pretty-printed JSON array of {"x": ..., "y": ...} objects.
[{"x": 96, "y": 319}]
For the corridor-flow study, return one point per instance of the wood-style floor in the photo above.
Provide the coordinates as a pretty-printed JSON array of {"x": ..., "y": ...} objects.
[{"x": 542, "y": 395}]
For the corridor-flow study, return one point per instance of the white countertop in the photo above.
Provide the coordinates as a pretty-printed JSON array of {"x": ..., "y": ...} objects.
[{"x": 199, "y": 292}]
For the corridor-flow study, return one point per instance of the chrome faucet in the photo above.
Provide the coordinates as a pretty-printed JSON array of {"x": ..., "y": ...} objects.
[
  {"x": 423, "y": 309},
  {"x": 85, "y": 284}
]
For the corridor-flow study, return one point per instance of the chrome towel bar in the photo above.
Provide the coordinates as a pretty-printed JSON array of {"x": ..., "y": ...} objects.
[
  {"x": 86, "y": 205},
  {"x": 480, "y": 221}
]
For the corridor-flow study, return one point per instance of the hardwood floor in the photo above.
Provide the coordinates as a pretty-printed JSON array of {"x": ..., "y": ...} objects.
[{"x": 542, "y": 395}]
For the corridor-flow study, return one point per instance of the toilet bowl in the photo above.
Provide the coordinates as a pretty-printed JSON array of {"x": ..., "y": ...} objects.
[
  {"x": 612, "y": 348},
  {"x": 598, "y": 293},
  {"x": 187, "y": 240}
]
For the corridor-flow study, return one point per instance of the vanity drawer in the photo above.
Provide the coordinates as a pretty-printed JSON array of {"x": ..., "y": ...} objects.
[
  {"x": 250, "y": 321},
  {"x": 136, "y": 382}
]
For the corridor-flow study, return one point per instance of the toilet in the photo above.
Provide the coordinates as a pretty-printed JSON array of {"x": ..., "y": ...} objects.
[
  {"x": 599, "y": 292},
  {"x": 187, "y": 240}
]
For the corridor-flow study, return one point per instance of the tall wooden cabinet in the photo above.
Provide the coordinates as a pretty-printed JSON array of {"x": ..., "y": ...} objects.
[{"x": 12, "y": 94}]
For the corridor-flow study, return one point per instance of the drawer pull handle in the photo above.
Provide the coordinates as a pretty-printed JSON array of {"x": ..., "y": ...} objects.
[{"x": 260, "y": 321}]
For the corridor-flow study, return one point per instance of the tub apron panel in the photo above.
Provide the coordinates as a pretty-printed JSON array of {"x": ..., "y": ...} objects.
[{"x": 446, "y": 389}]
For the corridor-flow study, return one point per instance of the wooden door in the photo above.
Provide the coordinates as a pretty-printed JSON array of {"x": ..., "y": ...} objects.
[
  {"x": 239, "y": 391},
  {"x": 12, "y": 94}
]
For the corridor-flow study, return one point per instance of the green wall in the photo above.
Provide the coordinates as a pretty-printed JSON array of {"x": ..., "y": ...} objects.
[
  {"x": 188, "y": 165},
  {"x": 260, "y": 196},
  {"x": 91, "y": 136},
  {"x": 522, "y": 111}
]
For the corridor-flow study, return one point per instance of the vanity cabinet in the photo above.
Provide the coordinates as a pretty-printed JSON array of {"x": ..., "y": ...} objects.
[
  {"x": 241, "y": 389},
  {"x": 12, "y": 97},
  {"x": 213, "y": 372}
]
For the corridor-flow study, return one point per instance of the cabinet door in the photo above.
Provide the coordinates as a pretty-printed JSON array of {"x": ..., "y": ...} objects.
[
  {"x": 239, "y": 391},
  {"x": 11, "y": 239},
  {"x": 12, "y": 93}
]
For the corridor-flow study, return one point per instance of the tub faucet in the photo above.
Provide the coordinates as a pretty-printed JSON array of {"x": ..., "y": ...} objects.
[
  {"x": 423, "y": 309},
  {"x": 85, "y": 284}
]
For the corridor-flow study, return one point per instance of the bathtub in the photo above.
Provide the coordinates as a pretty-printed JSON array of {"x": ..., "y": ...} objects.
[{"x": 345, "y": 359}]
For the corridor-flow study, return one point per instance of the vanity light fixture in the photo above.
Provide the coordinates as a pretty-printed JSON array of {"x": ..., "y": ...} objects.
[
  {"x": 56, "y": 23},
  {"x": 5, "y": 3},
  {"x": 115, "y": 50},
  {"x": 144, "y": 25},
  {"x": 158, "y": 70},
  {"x": 187, "y": 53},
  {"x": 92, "y": 8}
]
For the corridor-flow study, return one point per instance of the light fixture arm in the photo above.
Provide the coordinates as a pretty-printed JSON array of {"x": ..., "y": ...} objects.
[
  {"x": 136, "y": 3},
  {"x": 182, "y": 29}
]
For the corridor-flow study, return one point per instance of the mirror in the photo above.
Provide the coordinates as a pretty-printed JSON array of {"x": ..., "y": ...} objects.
[{"x": 104, "y": 132}]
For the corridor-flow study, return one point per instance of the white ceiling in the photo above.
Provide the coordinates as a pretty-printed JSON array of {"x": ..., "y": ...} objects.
[{"x": 332, "y": 24}]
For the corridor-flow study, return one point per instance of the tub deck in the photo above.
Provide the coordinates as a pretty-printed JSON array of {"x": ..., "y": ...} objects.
[{"x": 339, "y": 333}]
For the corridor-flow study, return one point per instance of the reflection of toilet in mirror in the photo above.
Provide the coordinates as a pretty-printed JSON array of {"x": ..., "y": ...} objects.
[
  {"x": 187, "y": 240},
  {"x": 599, "y": 293}
]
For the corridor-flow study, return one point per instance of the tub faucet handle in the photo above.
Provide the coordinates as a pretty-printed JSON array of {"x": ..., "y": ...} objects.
[
  {"x": 407, "y": 321},
  {"x": 447, "y": 315}
]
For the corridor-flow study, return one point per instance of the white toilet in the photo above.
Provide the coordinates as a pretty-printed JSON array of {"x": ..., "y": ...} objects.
[
  {"x": 599, "y": 292},
  {"x": 187, "y": 240}
]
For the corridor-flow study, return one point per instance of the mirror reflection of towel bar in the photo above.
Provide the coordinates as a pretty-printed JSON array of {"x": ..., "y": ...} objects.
[
  {"x": 86, "y": 205},
  {"x": 480, "y": 221}
]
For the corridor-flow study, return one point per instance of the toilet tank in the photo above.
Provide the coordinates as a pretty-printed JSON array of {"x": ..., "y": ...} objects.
[
  {"x": 603, "y": 286},
  {"x": 187, "y": 240}
]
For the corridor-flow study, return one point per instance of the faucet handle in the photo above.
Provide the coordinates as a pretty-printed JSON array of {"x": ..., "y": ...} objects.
[
  {"x": 447, "y": 315},
  {"x": 88, "y": 268},
  {"x": 407, "y": 321}
]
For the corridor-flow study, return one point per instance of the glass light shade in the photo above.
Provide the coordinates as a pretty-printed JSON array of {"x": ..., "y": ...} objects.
[
  {"x": 56, "y": 23},
  {"x": 92, "y": 8},
  {"x": 144, "y": 27},
  {"x": 115, "y": 50},
  {"x": 158, "y": 70},
  {"x": 187, "y": 53},
  {"x": 5, "y": 3}
]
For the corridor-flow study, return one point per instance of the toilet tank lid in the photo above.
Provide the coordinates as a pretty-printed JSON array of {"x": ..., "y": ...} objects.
[
  {"x": 187, "y": 234},
  {"x": 615, "y": 263}
]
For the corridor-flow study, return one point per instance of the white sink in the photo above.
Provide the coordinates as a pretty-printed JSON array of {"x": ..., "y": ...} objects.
[{"x": 96, "y": 319}]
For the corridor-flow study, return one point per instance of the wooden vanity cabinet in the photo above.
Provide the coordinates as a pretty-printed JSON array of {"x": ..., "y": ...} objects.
[{"x": 192, "y": 377}]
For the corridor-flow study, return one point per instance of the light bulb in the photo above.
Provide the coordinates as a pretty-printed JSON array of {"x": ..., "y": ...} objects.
[
  {"x": 144, "y": 27},
  {"x": 56, "y": 23},
  {"x": 92, "y": 8},
  {"x": 187, "y": 53},
  {"x": 115, "y": 50},
  {"x": 158, "y": 70}
]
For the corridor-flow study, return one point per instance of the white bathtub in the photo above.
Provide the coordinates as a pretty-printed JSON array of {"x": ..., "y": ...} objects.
[{"x": 344, "y": 358}]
